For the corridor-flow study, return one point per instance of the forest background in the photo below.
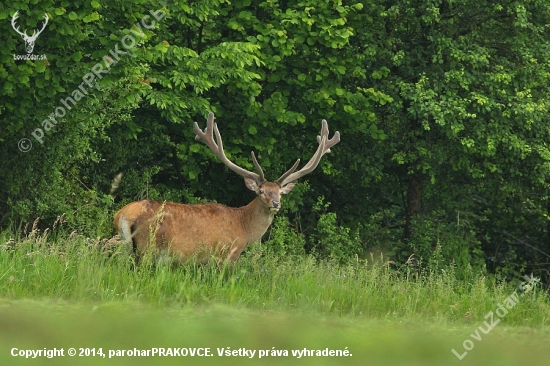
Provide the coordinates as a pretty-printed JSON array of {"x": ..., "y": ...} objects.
[{"x": 442, "y": 107}]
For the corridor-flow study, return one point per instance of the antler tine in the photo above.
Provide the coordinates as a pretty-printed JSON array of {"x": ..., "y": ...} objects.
[
  {"x": 308, "y": 168},
  {"x": 16, "y": 28},
  {"x": 44, "y": 26},
  {"x": 207, "y": 136},
  {"x": 287, "y": 173},
  {"x": 258, "y": 167},
  {"x": 324, "y": 128},
  {"x": 218, "y": 139},
  {"x": 324, "y": 146},
  {"x": 333, "y": 141}
]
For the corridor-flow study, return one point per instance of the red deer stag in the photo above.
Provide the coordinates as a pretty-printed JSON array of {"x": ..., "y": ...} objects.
[{"x": 203, "y": 229}]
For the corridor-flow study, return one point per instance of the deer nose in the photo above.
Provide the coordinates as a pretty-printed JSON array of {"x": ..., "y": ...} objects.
[{"x": 276, "y": 204}]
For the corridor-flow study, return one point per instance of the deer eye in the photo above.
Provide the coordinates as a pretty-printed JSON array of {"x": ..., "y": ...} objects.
[{"x": 261, "y": 191}]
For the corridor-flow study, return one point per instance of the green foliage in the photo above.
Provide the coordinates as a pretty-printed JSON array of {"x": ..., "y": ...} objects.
[
  {"x": 48, "y": 264},
  {"x": 50, "y": 179},
  {"x": 442, "y": 109},
  {"x": 94, "y": 284},
  {"x": 284, "y": 240},
  {"x": 380, "y": 235},
  {"x": 331, "y": 240},
  {"x": 442, "y": 245}
]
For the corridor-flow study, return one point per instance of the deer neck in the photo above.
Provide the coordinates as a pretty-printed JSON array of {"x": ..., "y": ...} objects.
[{"x": 256, "y": 220}]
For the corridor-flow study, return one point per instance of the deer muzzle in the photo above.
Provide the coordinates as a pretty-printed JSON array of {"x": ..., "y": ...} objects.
[{"x": 275, "y": 206}]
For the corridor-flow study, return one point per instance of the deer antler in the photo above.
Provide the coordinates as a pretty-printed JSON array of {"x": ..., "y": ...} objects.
[
  {"x": 324, "y": 147},
  {"x": 24, "y": 34},
  {"x": 44, "y": 26},
  {"x": 15, "y": 28},
  {"x": 217, "y": 148}
]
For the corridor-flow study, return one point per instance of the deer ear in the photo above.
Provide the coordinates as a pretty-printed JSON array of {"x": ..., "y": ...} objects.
[
  {"x": 287, "y": 188},
  {"x": 251, "y": 184}
]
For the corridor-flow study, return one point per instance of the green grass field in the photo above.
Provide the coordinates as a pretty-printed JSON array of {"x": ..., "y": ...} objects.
[{"x": 85, "y": 294}]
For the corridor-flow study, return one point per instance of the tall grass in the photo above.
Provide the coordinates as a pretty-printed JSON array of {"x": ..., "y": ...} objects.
[{"x": 78, "y": 269}]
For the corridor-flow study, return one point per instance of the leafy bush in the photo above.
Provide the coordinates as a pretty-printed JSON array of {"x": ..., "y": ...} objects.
[
  {"x": 284, "y": 240},
  {"x": 329, "y": 240},
  {"x": 442, "y": 245}
]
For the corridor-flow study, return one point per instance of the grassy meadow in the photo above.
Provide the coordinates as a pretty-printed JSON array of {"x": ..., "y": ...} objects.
[{"x": 70, "y": 291}]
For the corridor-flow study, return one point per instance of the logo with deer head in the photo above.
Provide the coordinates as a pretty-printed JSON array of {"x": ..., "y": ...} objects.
[{"x": 29, "y": 40}]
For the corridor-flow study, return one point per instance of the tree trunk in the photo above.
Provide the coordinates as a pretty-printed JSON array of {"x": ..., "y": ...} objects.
[{"x": 414, "y": 203}]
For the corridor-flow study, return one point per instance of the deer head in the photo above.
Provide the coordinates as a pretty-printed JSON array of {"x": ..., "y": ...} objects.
[
  {"x": 29, "y": 40},
  {"x": 269, "y": 193}
]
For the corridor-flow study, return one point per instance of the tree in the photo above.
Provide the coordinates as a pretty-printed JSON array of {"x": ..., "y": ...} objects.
[
  {"x": 469, "y": 82},
  {"x": 63, "y": 105}
]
